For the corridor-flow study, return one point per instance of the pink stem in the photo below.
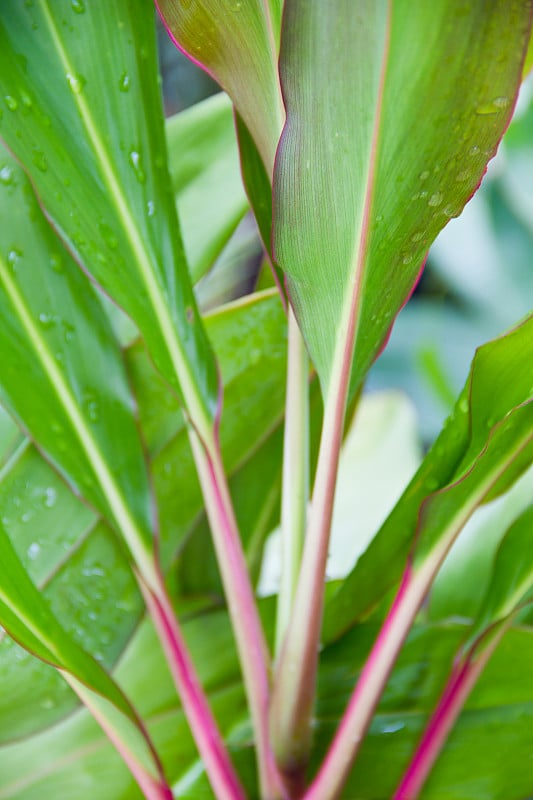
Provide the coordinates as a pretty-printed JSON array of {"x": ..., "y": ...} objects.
[
  {"x": 348, "y": 738},
  {"x": 462, "y": 679},
  {"x": 218, "y": 766}
]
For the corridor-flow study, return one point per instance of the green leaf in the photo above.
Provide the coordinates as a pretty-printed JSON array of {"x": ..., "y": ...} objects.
[
  {"x": 205, "y": 173},
  {"x": 27, "y": 617},
  {"x": 512, "y": 576},
  {"x": 237, "y": 45},
  {"x": 56, "y": 338},
  {"x": 249, "y": 337},
  {"x": 498, "y": 386},
  {"x": 100, "y": 168},
  {"x": 364, "y": 180}
]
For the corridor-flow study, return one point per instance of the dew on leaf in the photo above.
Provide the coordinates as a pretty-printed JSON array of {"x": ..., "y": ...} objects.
[
  {"x": 39, "y": 159},
  {"x": 108, "y": 235},
  {"x": 47, "y": 320},
  {"x": 435, "y": 199},
  {"x": 50, "y": 497},
  {"x": 11, "y": 102},
  {"x": 78, "y": 6},
  {"x": 75, "y": 82},
  {"x": 424, "y": 175},
  {"x": 493, "y": 106},
  {"x": 124, "y": 82},
  {"x": 33, "y": 550},
  {"x": 56, "y": 263},
  {"x": 6, "y": 176},
  {"x": 474, "y": 151},
  {"x": 13, "y": 256},
  {"x": 136, "y": 162}
]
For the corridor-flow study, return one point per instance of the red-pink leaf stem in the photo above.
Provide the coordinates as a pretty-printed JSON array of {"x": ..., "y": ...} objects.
[
  {"x": 350, "y": 733},
  {"x": 461, "y": 682},
  {"x": 253, "y": 652},
  {"x": 204, "y": 729}
]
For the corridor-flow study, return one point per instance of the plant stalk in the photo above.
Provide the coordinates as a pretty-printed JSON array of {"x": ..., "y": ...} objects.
[
  {"x": 462, "y": 679},
  {"x": 295, "y": 491},
  {"x": 218, "y": 766},
  {"x": 249, "y": 636},
  {"x": 295, "y": 678}
]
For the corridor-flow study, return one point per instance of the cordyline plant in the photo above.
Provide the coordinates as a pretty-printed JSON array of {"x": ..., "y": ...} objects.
[{"x": 363, "y": 126}]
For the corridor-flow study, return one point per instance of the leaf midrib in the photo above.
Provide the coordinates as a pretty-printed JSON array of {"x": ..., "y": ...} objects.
[
  {"x": 191, "y": 394},
  {"x": 126, "y": 523}
]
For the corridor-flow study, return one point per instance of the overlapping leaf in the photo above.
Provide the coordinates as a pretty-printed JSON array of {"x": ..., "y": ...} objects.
[
  {"x": 100, "y": 168},
  {"x": 237, "y": 44},
  {"x": 63, "y": 378},
  {"x": 205, "y": 174},
  {"x": 492, "y": 414},
  {"x": 27, "y": 617},
  {"x": 382, "y": 145}
]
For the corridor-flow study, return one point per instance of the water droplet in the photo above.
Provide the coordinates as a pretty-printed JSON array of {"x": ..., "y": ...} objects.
[
  {"x": 108, "y": 235},
  {"x": 68, "y": 331},
  {"x": 47, "y": 320},
  {"x": 452, "y": 211},
  {"x": 393, "y": 727},
  {"x": 75, "y": 82},
  {"x": 92, "y": 408},
  {"x": 435, "y": 199},
  {"x": 462, "y": 176},
  {"x": 474, "y": 151},
  {"x": 408, "y": 257},
  {"x": 39, "y": 159},
  {"x": 26, "y": 516},
  {"x": 493, "y": 106},
  {"x": 463, "y": 405},
  {"x": 6, "y": 176},
  {"x": 237, "y": 7},
  {"x": 11, "y": 102},
  {"x": 47, "y": 703},
  {"x": 150, "y": 208},
  {"x": 26, "y": 101},
  {"x": 33, "y": 550},
  {"x": 13, "y": 256},
  {"x": 56, "y": 263},
  {"x": 50, "y": 497},
  {"x": 424, "y": 175},
  {"x": 124, "y": 82},
  {"x": 136, "y": 163},
  {"x": 417, "y": 237},
  {"x": 78, "y": 6}
]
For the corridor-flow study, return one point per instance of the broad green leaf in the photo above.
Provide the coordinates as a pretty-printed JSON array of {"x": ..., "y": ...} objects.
[
  {"x": 498, "y": 385},
  {"x": 249, "y": 337},
  {"x": 27, "y": 617},
  {"x": 237, "y": 44},
  {"x": 205, "y": 173},
  {"x": 382, "y": 145},
  {"x": 81, "y": 569},
  {"x": 90, "y": 133},
  {"x": 485, "y": 757},
  {"x": 56, "y": 338},
  {"x": 512, "y": 576}
]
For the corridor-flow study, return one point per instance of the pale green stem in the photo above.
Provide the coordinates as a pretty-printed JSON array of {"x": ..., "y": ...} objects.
[
  {"x": 295, "y": 679},
  {"x": 295, "y": 491},
  {"x": 249, "y": 636}
]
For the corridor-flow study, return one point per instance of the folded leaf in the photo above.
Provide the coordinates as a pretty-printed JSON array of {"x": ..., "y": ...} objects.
[
  {"x": 382, "y": 145},
  {"x": 237, "y": 45},
  {"x": 100, "y": 169},
  {"x": 499, "y": 383}
]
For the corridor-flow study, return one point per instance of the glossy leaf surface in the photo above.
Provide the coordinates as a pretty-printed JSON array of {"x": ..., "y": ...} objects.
[
  {"x": 205, "y": 173},
  {"x": 27, "y": 617},
  {"x": 237, "y": 44},
  {"x": 499, "y": 383},
  {"x": 100, "y": 168},
  {"x": 56, "y": 338},
  {"x": 382, "y": 145}
]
